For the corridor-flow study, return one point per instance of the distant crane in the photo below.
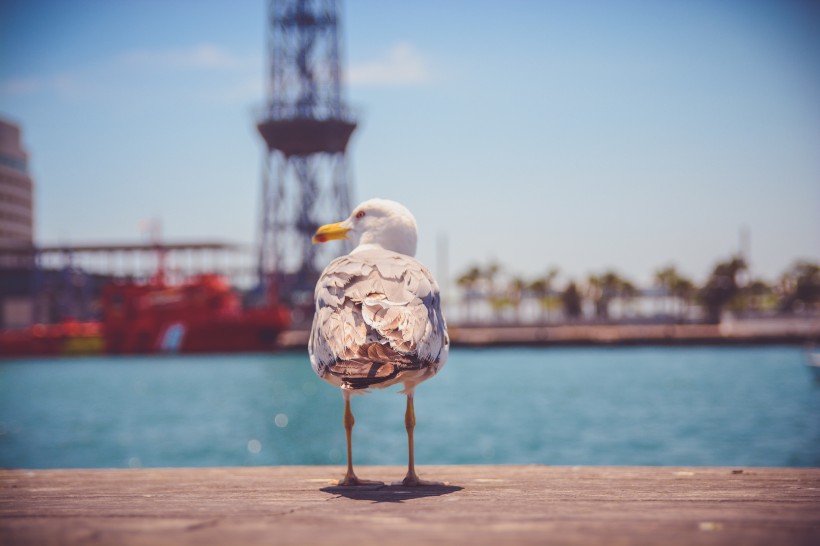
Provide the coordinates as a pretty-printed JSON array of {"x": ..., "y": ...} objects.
[{"x": 307, "y": 127}]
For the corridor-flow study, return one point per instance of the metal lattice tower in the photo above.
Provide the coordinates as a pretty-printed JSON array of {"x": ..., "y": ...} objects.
[{"x": 306, "y": 127}]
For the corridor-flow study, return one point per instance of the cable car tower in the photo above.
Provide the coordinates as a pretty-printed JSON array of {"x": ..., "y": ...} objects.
[{"x": 306, "y": 127}]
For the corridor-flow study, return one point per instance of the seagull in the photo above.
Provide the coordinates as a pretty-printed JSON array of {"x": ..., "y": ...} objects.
[{"x": 378, "y": 319}]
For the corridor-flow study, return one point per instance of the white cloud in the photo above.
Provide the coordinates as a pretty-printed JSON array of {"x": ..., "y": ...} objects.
[
  {"x": 202, "y": 56},
  {"x": 401, "y": 65},
  {"x": 233, "y": 78},
  {"x": 64, "y": 84},
  {"x": 21, "y": 86},
  {"x": 249, "y": 89}
]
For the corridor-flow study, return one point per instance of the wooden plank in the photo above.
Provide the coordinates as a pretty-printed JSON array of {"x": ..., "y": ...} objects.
[{"x": 479, "y": 505}]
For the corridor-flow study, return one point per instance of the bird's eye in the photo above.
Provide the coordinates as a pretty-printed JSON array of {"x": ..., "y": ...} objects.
[{"x": 360, "y": 214}]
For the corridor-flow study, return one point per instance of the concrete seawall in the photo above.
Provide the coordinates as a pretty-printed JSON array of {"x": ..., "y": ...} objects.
[{"x": 746, "y": 332}]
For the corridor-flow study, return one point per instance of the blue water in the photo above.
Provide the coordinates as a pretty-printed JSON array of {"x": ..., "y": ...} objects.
[{"x": 572, "y": 406}]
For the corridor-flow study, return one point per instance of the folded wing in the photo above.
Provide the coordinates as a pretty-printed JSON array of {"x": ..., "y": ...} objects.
[{"x": 378, "y": 316}]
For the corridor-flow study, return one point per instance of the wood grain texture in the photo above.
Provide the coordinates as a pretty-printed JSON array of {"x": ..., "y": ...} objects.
[{"x": 479, "y": 505}]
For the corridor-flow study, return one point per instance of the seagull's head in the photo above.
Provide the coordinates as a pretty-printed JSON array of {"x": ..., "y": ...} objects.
[{"x": 378, "y": 222}]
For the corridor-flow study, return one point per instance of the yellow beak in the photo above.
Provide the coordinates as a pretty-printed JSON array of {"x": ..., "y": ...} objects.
[{"x": 329, "y": 232}]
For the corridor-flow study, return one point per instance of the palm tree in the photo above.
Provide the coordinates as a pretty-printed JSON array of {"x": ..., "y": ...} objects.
[
  {"x": 676, "y": 285},
  {"x": 626, "y": 293},
  {"x": 468, "y": 282},
  {"x": 666, "y": 278},
  {"x": 571, "y": 299},
  {"x": 602, "y": 289},
  {"x": 489, "y": 275},
  {"x": 757, "y": 295},
  {"x": 684, "y": 290},
  {"x": 515, "y": 290},
  {"x": 800, "y": 286},
  {"x": 721, "y": 288},
  {"x": 541, "y": 288},
  {"x": 538, "y": 288},
  {"x": 610, "y": 288},
  {"x": 595, "y": 293}
]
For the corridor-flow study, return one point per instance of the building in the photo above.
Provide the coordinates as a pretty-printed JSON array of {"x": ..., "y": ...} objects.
[
  {"x": 16, "y": 230},
  {"x": 16, "y": 189}
]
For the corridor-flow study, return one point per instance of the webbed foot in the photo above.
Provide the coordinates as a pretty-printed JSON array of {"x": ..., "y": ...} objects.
[
  {"x": 352, "y": 480},
  {"x": 412, "y": 480}
]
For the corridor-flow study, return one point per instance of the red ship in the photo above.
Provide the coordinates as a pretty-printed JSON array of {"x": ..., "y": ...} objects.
[
  {"x": 66, "y": 338},
  {"x": 201, "y": 315}
]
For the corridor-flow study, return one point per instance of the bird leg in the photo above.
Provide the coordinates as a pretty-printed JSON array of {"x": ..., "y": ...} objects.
[
  {"x": 411, "y": 479},
  {"x": 350, "y": 477}
]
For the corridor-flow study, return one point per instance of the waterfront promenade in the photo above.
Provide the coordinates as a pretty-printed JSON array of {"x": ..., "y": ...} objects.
[
  {"x": 802, "y": 331},
  {"x": 478, "y": 505}
]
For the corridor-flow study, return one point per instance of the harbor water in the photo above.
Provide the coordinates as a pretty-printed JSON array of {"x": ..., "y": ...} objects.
[{"x": 711, "y": 406}]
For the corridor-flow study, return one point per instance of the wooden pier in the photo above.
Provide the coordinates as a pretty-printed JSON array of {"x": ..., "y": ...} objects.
[{"x": 477, "y": 505}]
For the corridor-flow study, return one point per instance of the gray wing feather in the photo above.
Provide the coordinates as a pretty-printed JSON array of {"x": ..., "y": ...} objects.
[{"x": 377, "y": 296}]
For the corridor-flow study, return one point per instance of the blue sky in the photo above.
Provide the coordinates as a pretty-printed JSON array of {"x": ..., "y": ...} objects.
[{"x": 584, "y": 135}]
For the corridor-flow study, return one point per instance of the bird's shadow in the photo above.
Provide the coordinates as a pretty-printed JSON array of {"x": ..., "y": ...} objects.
[{"x": 389, "y": 493}]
